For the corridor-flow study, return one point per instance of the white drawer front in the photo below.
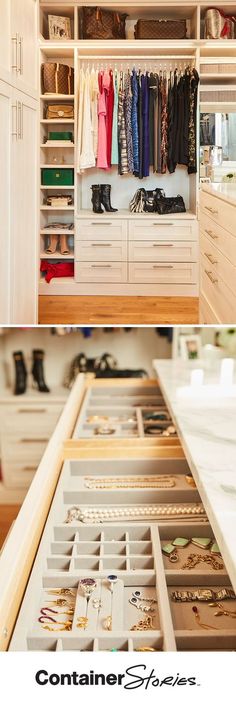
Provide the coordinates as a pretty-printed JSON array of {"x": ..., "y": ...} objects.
[
  {"x": 104, "y": 228},
  {"x": 163, "y": 273},
  {"x": 219, "y": 211},
  {"x": 213, "y": 259},
  {"x": 163, "y": 251},
  {"x": 218, "y": 294},
  {"x": 19, "y": 474},
  {"x": 206, "y": 315},
  {"x": 156, "y": 229},
  {"x": 115, "y": 272},
  {"x": 94, "y": 251},
  {"x": 22, "y": 448},
  {"x": 30, "y": 419},
  {"x": 222, "y": 239}
]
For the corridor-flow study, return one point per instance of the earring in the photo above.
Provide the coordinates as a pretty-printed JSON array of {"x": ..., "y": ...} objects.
[
  {"x": 202, "y": 624},
  {"x": 146, "y": 624},
  {"x": 82, "y": 623},
  {"x": 112, "y": 580},
  {"x": 141, "y": 606},
  {"x": 108, "y": 623},
  {"x": 223, "y": 611}
]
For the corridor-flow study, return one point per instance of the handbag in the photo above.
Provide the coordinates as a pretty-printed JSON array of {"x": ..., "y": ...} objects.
[
  {"x": 59, "y": 200},
  {"x": 171, "y": 205},
  {"x": 57, "y": 78},
  {"x": 98, "y": 23},
  {"x": 218, "y": 25},
  {"x": 160, "y": 29},
  {"x": 145, "y": 200},
  {"x": 53, "y": 112}
]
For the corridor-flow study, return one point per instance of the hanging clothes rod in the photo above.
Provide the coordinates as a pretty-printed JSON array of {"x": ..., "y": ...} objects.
[{"x": 129, "y": 59}]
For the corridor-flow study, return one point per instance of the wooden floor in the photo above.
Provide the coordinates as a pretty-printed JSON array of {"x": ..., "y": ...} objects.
[
  {"x": 111, "y": 310},
  {"x": 8, "y": 513}
]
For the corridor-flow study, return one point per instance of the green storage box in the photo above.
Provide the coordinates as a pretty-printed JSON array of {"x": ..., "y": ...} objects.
[
  {"x": 62, "y": 136},
  {"x": 57, "y": 177}
]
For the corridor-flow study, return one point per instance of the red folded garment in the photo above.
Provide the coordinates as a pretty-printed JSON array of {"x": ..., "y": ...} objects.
[{"x": 61, "y": 269}]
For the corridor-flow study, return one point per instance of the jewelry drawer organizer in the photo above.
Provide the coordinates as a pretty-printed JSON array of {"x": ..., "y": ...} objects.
[
  {"x": 124, "y": 411},
  {"x": 110, "y": 573}
]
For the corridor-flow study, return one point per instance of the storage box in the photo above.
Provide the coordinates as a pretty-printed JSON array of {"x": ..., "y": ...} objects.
[
  {"x": 57, "y": 177},
  {"x": 61, "y": 136}
]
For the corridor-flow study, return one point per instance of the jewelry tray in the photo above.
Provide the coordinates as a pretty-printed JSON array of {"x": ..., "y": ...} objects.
[
  {"x": 125, "y": 407},
  {"x": 69, "y": 552}
]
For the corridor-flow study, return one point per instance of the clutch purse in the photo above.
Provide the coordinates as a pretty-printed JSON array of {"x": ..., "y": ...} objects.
[
  {"x": 170, "y": 206},
  {"x": 55, "y": 112}
]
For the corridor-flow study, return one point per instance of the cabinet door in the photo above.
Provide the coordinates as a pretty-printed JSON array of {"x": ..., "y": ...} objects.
[
  {"x": 24, "y": 41},
  {"x": 5, "y": 43},
  {"x": 24, "y": 213},
  {"x": 6, "y": 129}
]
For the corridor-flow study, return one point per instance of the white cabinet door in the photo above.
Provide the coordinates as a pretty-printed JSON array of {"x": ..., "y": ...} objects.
[
  {"x": 24, "y": 42},
  {"x": 5, "y": 41},
  {"x": 24, "y": 213},
  {"x": 6, "y": 129}
]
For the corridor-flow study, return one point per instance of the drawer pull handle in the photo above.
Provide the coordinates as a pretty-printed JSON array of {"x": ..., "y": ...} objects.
[
  {"x": 210, "y": 257},
  {"x": 32, "y": 410},
  {"x": 101, "y": 266},
  {"x": 159, "y": 266},
  {"x": 101, "y": 224},
  {"x": 211, "y": 209},
  {"x": 162, "y": 224},
  {"x": 163, "y": 245},
  {"x": 30, "y": 468},
  {"x": 29, "y": 440},
  {"x": 209, "y": 274},
  {"x": 101, "y": 245},
  {"x": 211, "y": 234}
]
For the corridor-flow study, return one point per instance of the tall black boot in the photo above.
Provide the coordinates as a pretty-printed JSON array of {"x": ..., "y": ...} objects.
[
  {"x": 106, "y": 198},
  {"x": 96, "y": 199},
  {"x": 37, "y": 371},
  {"x": 20, "y": 373}
]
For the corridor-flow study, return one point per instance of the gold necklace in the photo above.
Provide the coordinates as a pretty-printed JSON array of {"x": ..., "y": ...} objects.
[{"x": 130, "y": 482}]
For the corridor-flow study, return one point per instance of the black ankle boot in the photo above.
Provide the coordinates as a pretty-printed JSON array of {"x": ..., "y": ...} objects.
[
  {"x": 106, "y": 198},
  {"x": 37, "y": 370},
  {"x": 20, "y": 373},
  {"x": 96, "y": 199}
]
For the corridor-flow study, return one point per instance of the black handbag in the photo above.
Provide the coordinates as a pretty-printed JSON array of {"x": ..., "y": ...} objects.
[
  {"x": 150, "y": 199},
  {"x": 170, "y": 206}
]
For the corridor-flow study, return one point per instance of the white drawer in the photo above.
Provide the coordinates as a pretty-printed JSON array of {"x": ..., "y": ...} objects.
[
  {"x": 163, "y": 251},
  {"x": 213, "y": 259},
  {"x": 163, "y": 273},
  {"x": 177, "y": 230},
  {"x": 101, "y": 272},
  {"x": 222, "y": 239},
  {"x": 101, "y": 228},
  {"x": 219, "y": 296},
  {"x": 16, "y": 448},
  {"x": 19, "y": 474},
  {"x": 94, "y": 251},
  {"x": 30, "y": 419},
  {"x": 206, "y": 314},
  {"x": 219, "y": 211}
]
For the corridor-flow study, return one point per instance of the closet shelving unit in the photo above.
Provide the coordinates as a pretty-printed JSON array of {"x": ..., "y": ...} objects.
[{"x": 131, "y": 265}]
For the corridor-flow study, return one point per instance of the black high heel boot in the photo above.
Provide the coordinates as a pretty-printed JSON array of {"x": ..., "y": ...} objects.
[
  {"x": 37, "y": 371},
  {"x": 20, "y": 373},
  {"x": 96, "y": 199},
  {"x": 106, "y": 198}
]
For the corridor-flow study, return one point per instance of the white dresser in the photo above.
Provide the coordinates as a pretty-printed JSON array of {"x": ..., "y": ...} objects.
[
  {"x": 217, "y": 254},
  {"x": 26, "y": 425}
]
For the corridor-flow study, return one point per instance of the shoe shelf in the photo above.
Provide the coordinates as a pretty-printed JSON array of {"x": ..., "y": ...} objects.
[{"x": 132, "y": 551}]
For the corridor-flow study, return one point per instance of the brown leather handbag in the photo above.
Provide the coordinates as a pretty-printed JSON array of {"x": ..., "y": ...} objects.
[
  {"x": 98, "y": 23},
  {"x": 55, "y": 111},
  {"x": 57, "y": 78},
  {"x": 160, "y": 29}
]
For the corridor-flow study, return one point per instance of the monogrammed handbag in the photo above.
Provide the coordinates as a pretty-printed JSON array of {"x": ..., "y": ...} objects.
[
  {"x": 218, "y": 25},
  {"x": 98, "y": 23},
  {"x": 57, "y": 78},
  {"x": 160, "y": 29}
]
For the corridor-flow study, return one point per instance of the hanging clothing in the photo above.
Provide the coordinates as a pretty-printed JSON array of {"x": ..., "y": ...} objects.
[
  {"x": 140, "y": 126},
  {"x": 192, "y": 141},
  {"x": 122, "y": 140},
  {"x": 145, "y": 113},
  {"x": 103, "y": 84},
  {"x": 128, "y": 121},
  {"x": 151, "y": 89},
  {"x": 170, "y": 154},
  {"x": 164, "y": 124},
  {"x": 94, "y": 108},
  {"x": 80, "y": 116},
  {"x": 114, "y": 150},
  {"x": 159, "y": 123},
  {"x": 87, "y": 158},
  {"x": 155, "y": 124},
  {"x": 134, "y": 122},
  {"x": 109, "y": 116}
]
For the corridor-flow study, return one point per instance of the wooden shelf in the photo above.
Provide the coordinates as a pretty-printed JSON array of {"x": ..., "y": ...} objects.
[
  {"x": 56, "y": 96},
  {"x": 55, "y": 209},
  {"x": 57, "y": 146},
  {"x": 57, "y": 231},
  {"x": 57, "y": 166},
  {"x": 57, "y": 121},
  {"x": 57, "y": 187},
  {"x": 57, "y": 255}
]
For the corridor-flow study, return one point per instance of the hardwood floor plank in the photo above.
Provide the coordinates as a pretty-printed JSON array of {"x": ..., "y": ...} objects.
[
  {"x": 8, "y": 513},
  {"x": 112, "y": 310}
]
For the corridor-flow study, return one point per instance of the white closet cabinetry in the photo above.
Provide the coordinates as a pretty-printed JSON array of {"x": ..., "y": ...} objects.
[
  {"x": 24, "y": 210},
  {"x": 5, "y": 150},
  {"x": 18, "y": 56}
]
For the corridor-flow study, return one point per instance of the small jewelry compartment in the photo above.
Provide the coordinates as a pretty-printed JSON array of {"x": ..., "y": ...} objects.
[
  {"x": 177, "y": 575},
  {"x": 195, "y": 624}
]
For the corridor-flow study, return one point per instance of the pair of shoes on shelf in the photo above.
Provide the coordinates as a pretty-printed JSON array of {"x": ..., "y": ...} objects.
[
  {"x": 101, "y": 195},
  {"x": 54, "y": 239},
  {"x": 37, "y": 372}
]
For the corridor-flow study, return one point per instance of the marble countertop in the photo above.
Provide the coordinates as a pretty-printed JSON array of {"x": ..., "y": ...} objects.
[
  {"x": 224, "y": 191},
  {"x": 207, "y": 430}
]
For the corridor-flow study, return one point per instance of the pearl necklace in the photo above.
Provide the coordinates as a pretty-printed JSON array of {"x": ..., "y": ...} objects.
[
  {"x": 167, "y": 511},
  {"x": 129, "y": 482}
]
